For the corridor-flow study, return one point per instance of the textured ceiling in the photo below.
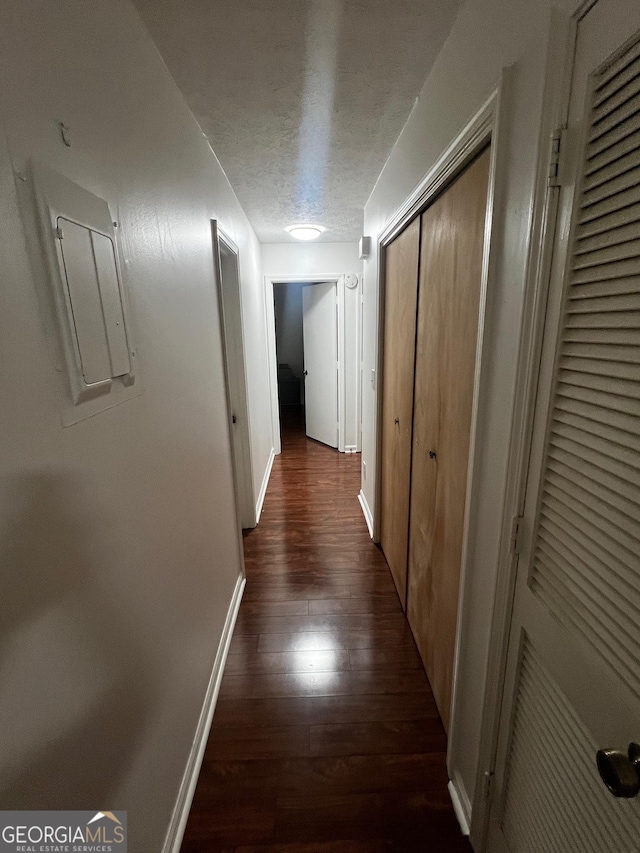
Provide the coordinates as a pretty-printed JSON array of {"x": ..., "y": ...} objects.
[{"x": 302, "y": 100}]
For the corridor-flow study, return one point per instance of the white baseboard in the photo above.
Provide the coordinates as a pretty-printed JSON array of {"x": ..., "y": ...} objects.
[
  {"x": 460, "y": 800},
  {"x": 350, "y": 448},
  {"x": 265, "y": 483},
  {"x": 173, "y": 839},
  {"x": 366, "y": 511}
]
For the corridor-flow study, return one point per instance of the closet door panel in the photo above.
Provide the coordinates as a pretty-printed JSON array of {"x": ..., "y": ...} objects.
[
  {"x": 401, "y": 291},
  {"x": 450, "y": 278}
]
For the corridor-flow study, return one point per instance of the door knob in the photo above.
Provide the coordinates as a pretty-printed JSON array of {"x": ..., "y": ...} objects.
[
  {"x": 396, "y": 421},
  {"x": 432, "y": 454},
  {"x": 620, "y": 772},
  {"x": 305, "y": 372}
]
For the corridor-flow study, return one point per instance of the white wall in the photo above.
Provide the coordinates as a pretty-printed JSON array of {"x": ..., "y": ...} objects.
[
  {"x": 487, "y": 36},
  {"x": 319, "y": 261},
  {"x": 118, "y": 537}
]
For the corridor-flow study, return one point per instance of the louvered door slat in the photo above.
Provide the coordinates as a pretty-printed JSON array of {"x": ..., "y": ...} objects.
[
  {"x": 596, "y": 415},
  {"x": 613, "y": 152},
  {"x": 619, "y": 387},
  {"x": 608, "y": 236},
  {"x": 563, "y": 467},
  {"x": 609, "y": 254},
  {"x": 573, "y": 460},
  {"x": 588, "y": 618},
  {"x": 617, "y": 99},
  {"x": 574, "y": 651},
  {"x": 607, "y": 272},
  {"x": 600, "y": 398},
  {"x": 627, "y": 180},
  {"x": 601, "y": 366},
  {"x": 602, "y": 353},
  {"x": 606, "y": 173},
  {"x": 558, "y": 545},
  {"x": 617, "y": 201},
  {"x": 603, "y": 430},
  {"x": 606, "y": 538},
  {"x": 594, "y": 460},
  {"x": 586, "y": 561},
  {"x": 615, "y": 74},
  {"x": 610, "y": 453},
  {"x": 554, "y": 797},
  {"x": 609, "y": 222},
  {"x": 626, "y": 110},
  {"x": 616, "y": 135},
  {"x": 585, "y": 493}
]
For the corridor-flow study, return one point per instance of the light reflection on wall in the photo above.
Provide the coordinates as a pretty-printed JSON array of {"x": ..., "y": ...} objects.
[{"x": 322, "y": 37}]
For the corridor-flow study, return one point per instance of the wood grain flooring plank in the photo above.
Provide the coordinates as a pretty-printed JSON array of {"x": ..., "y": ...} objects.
[
  {"x": 393, "y": 737},
  {"x": 241, "y": 742},
  {"x": 413, "y": 819},
  {"x": 233, "y": 686},
  {"x": 318, "y": 660},
  {"x": 317, "y": 710},
  {"x": 383, "y": 638},
  {"x": 339, "y": 683},
  {"x": 291, "y": 591},
  {"x": 243, "y": 643},
  {"x": 368, "y": 846},
  {"x": 325, "y": 737},
  {"x": 318, "y": 623},
  {"x": 369, "y": 604},
  {"x": 400, "y": 657},
  {"x": 274, "y": 608}
]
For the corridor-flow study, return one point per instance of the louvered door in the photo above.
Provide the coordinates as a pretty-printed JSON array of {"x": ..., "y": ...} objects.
[{"x": 573, "y": 670}]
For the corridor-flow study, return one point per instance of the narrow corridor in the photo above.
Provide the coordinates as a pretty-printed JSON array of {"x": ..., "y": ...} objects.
[{"x": 326, "y": 738}]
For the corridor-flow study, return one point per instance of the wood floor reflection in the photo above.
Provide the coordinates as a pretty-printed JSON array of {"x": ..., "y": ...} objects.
[{"x": 325, "y": 738}]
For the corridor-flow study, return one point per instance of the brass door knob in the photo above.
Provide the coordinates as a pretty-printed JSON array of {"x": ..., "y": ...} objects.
[{"x": 620, "y": 772}]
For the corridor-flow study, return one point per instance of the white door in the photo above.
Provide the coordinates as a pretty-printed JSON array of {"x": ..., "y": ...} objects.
[
  {"x": 573, "y": 669},
  {"x": 320, "y": 333}
]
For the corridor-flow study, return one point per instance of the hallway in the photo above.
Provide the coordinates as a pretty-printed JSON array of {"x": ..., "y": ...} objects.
[{"x": 325, "y": 736}]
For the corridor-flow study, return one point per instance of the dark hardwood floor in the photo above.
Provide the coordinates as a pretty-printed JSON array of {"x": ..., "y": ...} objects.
[{"x": 325, "y": 738}]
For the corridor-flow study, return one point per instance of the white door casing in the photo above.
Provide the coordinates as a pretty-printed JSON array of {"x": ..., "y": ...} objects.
[
  {"x": 320, "y": 334},
  {"x": 572, "y": 682},
  {"x": 230, "y": 305}
]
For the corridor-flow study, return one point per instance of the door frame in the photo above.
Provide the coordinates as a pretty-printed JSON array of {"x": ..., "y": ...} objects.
[
  {"x": 482, "y": 129},
  {"x": 232, "y": 331},
  {"x": 338, "y": 280},
  {"x": 544, "y": 220}
]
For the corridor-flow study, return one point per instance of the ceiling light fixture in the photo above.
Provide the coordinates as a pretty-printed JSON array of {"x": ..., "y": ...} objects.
[{"x": 305, "y": 232}]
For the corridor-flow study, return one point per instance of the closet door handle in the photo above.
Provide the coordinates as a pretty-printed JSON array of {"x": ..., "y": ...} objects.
[
  {"x": 432, "y": 454},
  {"x": 620, "y": 772},
  {"x": 396, "y": 421}
]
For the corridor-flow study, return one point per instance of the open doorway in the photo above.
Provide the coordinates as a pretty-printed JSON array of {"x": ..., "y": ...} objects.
[
  {"x": 225, "y": 255},
  {"x": 315, "y": 329},
  {"x": 306, "y": 320}
]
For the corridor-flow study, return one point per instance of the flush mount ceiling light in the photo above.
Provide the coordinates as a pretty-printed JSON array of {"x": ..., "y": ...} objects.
[{"x": 305, "y": 232}]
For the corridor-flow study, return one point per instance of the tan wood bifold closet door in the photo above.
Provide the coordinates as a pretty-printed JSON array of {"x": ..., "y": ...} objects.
[
  {"x": 451, "y": 256},
  {"x": 401, "y": 291},
  {"x": 572, "y": 683}
]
